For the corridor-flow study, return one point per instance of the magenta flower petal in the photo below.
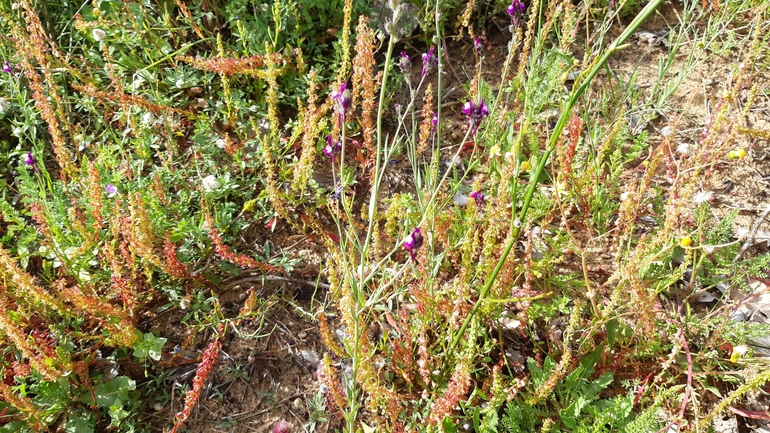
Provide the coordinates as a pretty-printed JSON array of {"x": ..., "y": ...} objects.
[{"x": 111, "y": 190}]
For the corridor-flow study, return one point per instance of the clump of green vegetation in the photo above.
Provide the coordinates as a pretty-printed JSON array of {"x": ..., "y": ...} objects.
[{"x": 536, "y": 273}]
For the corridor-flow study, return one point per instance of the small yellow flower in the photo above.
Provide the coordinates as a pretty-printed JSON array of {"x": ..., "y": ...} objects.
[
  {"x": 685, "y": 241},
  {"x": 526, "y": 166},
  {"x": 250, "y": 205},
  {"x": 736, "y": 154},
  {"x": 739, "y": 352}
]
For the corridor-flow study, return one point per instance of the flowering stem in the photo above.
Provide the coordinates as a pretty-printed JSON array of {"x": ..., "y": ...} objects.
[
  {"x": 378, "y": 162},
  {"x": 553, "y": 139}
]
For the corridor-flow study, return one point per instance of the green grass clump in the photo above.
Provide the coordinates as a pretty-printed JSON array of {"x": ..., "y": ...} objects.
[{"x": 534, "y": 272}]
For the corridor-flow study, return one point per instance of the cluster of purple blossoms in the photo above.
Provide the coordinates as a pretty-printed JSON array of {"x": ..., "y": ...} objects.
[
  {"x": 478, "y": 45},
  {"x": 405, "y": 64},
  {"x": 332, "y": 148},
  {"x": 475, "y": 113},
  {"x": 413, "y": 242},
  {"x": 478, "y": 196},
  {"x": 31, "y": 161},
  {"x": 429, "y": 61},
  {"x": 516, "y": 11},
  {"x": 344, "y": 101},
  {"x": 7, "y": 68}
]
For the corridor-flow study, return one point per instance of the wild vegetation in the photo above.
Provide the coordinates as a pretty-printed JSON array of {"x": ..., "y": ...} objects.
[{"x": 533, "y": 269}]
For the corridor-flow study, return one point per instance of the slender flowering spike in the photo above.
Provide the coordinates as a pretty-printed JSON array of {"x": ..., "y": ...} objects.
[
  {"x": 478, "y": 196},
  {"x": 337, "y": 193},
  {"x": 478, "y": 46},
  {"x": 111, "y": 190},
  {"x": 344, "y": 100},
  {"x": 429, "y": 60},
  {"x": 332, "y": 148},
  {"x": 516, "y": 10},
  {"x": 7, "y": 68},
  {"x": 413, "y": 242},
  {"x": 405, "y": 63},
  {"x": 31, "y": 161},
  {"x": 475, "y": 113}
]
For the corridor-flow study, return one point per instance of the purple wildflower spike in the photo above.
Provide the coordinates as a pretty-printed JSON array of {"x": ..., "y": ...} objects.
[
  {"x": 475, "y": 113},
  {"x": 337, "y": 193},
  {"x": 30, "y": 160},
  {"x": 478, "y": 196},
  {"x": 478, "y": 45},
  {"x": 405, "y": 63},
  {"x": 413, "y": 242},
  {"x": 429, "y": 60},
  {"x": 516, "y": 11},
  {"x": 344, "y": 101},
  {"x": 332, "y": 148}
]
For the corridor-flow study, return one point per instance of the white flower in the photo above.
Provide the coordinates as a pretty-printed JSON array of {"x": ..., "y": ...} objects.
[
  {"x": 625, "y": 196},
  {"x": 179, "y": 83},
  {"x": 702, "y": 197},
  {"x": 220, "y": 143},
  {"x": 99, "y": 34},
  {"x": 683, "y": 148},
  {"x": 210, "y": 183}
]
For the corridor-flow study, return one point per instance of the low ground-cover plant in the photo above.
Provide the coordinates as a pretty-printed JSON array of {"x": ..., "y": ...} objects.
[
  {"x": 521, "y": 281},
  {"x": 490, "y": 225},
  {"x": 132, "y": 173}
]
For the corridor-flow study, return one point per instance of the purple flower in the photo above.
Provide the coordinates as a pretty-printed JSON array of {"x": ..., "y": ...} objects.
[
  {"x": 405, "y": 63},
  {"x": 475, "y": 113},
  {"x": 332, "y": 148},
  {"x": 478, "y": 196},
  {"x": 7, "y": 68},
  {"x": 478, "y": 46},
  {"x": 30, "y": 160},
  {"x": 429, "y": 60},
  {"x": 413, "y": 242},
  {"x": 111, "y": 190},
  {"x": 337, "y": 193},
  {"x": 516, "y": 10},
  {"x": 344, "y": 101}
]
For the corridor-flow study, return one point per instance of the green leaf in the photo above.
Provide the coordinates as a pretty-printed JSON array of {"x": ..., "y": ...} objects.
[
  {"x": 150, "y": 346},
  {"x": 110, "y": 393},
  {"x": 80, "y": 423}
]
